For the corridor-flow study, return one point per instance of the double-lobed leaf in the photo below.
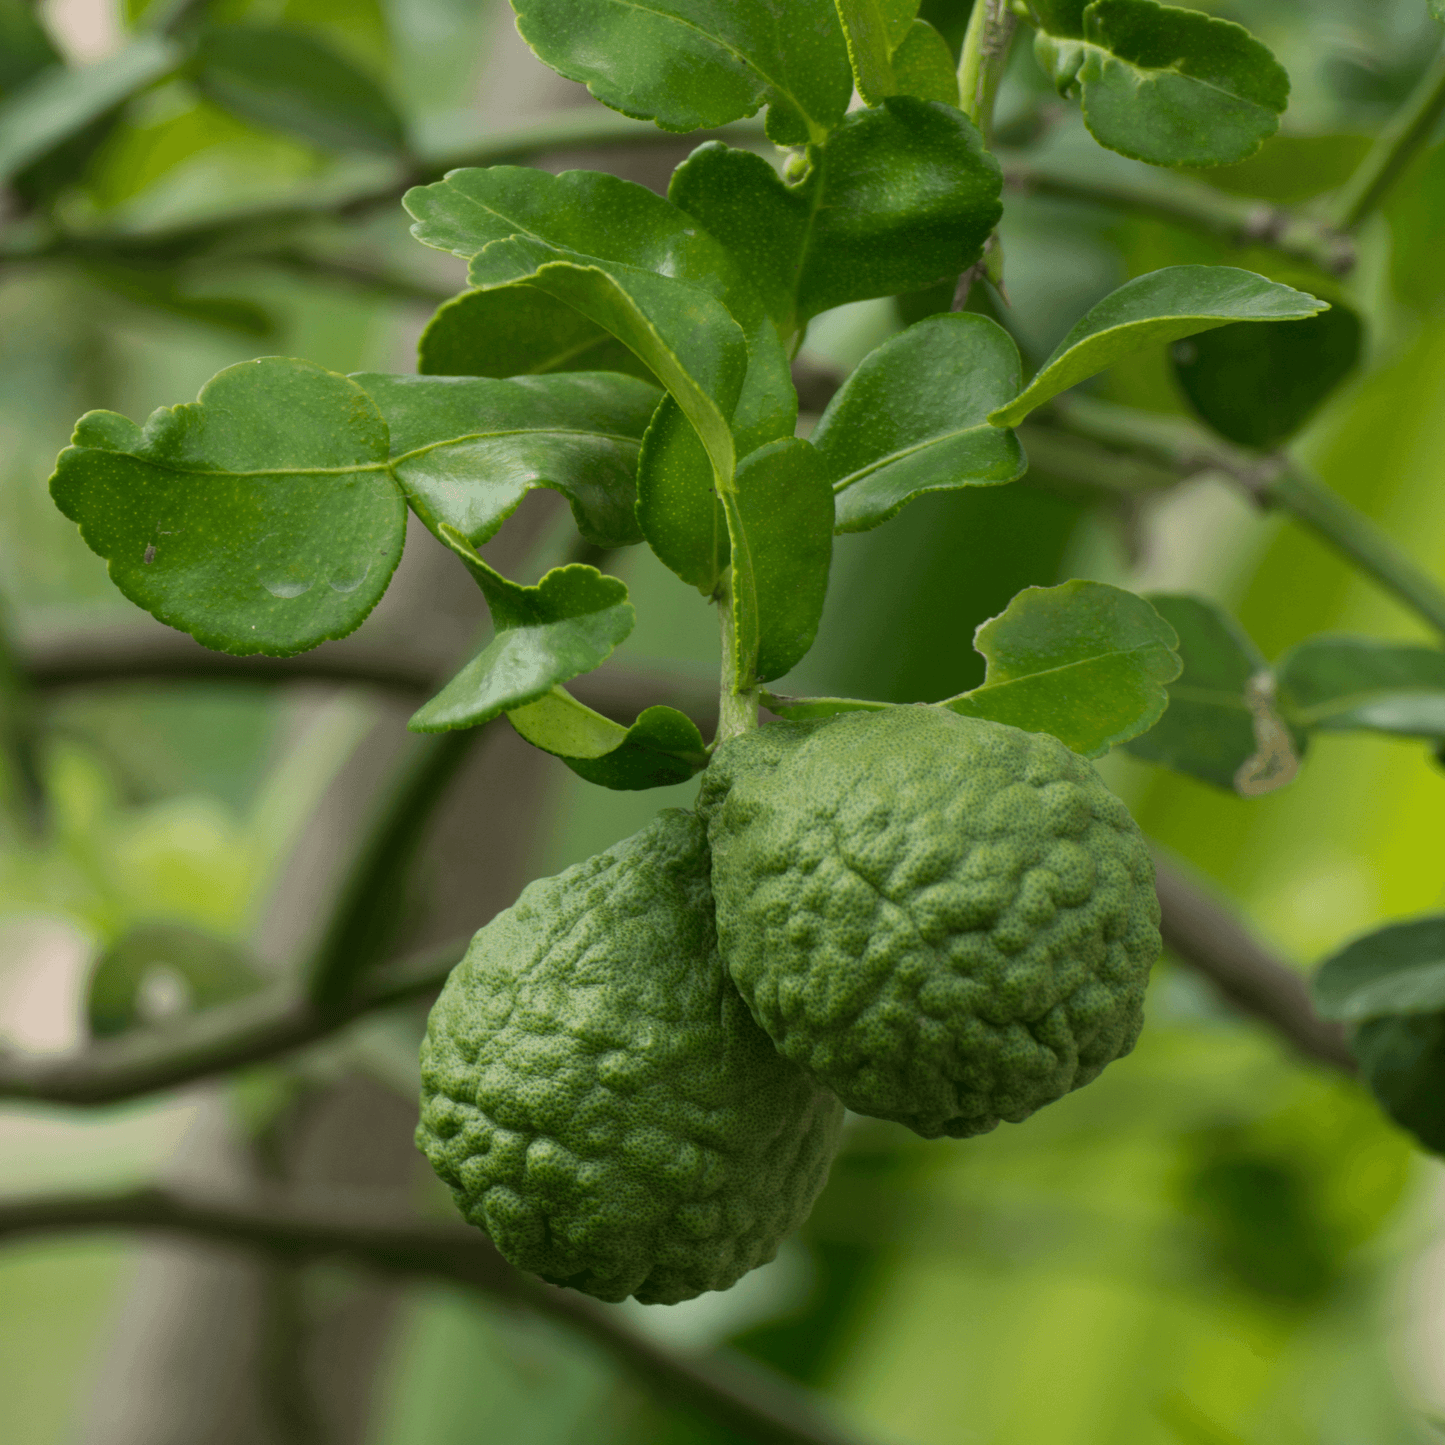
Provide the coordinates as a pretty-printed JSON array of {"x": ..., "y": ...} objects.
[
  {"x": 1161, "y": 306},
  {"x": 543, "y": 636},
  {"x": 1162, "y": 84},
  {"x": 893, "y": 53},
  {"x": 694, "y": 64},
  {"x": 1084, "y": 661},
  {"x": 1349, "y": 684},
  {"x": 466, "y": 450},
  {"x": 913, "y": 419},
  {"x": 897, "y": 198},
  {"x": 261, "y": 518}
]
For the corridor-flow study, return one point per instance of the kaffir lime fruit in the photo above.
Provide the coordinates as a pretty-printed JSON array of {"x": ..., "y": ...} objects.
[
  {"x": 597, "y": 1095},
  {"x": 947, "y": 921}
]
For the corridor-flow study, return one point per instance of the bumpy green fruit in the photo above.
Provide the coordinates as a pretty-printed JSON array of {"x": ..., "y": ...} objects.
[
  {"x": 597, "y": 1095},
  {"x": 948, "y": 922}
]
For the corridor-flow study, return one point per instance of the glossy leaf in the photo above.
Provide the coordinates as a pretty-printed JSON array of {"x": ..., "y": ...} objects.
[
  {"x": 1162, "y": 306},
  {"x": 696, "y": 64},
  {"x": 59, "y": 103},
  {"x": 1259, "y": 383},
  {"x": 923, "y": 65},
  {"x": 1395, "y": 970},
  {"x": 1086, "y": 662},
  {"x": 1162, "y": 84},
  {"x": 518, "y": 331},
  {"x": 677, "y": 502},
  {"x": 1349, "y": 684},
  {"x": 276, "y": 76},
  {"x": 466, "y": 450},
  {"x": 898, "y": 197},
  {"x": 1208, "y": 730},
  {"x": 203, "y": 970},
  {"x": 870, "y": 45},
  {"x": 663, "y": 747},
  {"x": 913, "y": 418},
  {"x": 780, "y": 520},
  {"x": 1403, "y": 1061},
  {"x": 566, "y": 625},
  {"x": 262, "y": 517}
]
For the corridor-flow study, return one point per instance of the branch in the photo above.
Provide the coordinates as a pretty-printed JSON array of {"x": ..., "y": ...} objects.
[
  {"x": 756, "y": 1403},
  {"x": 1207, "y": 936}
]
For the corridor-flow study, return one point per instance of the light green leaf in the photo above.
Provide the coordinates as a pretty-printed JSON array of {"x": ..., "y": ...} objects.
[
  {"x": 262, "y": 517},
  {"x": 566, "y": 625},
  {"x": 780, "y": 521},
  {"x": 913, "y": 418},
  {"x": 1170, "y": 86},
  {"x": 58, "y": 103},
  {"x": 1208, "y": 731},
  {"x": 515, "y": 331},
  {"x": 466, "y": 450},
  {"x": 1395, "y": 970},
  {"x": 1160, "y": 307},
  {"x": 697, "y": 64},
  {"x": 923, "y": 65},
  {"x": 196, "y": 971},
  {"x": 661, "y": 748},
  {"x": 1349, "y": 684},
  {"x": 897, "y": 198},
  {"x": 1085, "y": 661},
  {"x": 275, "y": 76},
  {"x": 870, "y": 48},
  {"x": 1402, "y": 1058},
  {"x": 807, "y": 709}
]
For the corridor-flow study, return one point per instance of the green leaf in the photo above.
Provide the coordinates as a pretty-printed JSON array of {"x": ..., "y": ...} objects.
[
  {"x": 566, "y": 625},
  {"x": 923, "y": 65},
  {"x": 1163, "y": 306},
  {"x": 661, "y": 748},
  {"x": 697, "y": 64},
  {"x": 25, "y": 47},
  {"x": 201, "y": 970},
  {"x": 1085, "y": 661},
  {"x": 870, "y": 47},
  {"x": 518, "y": 331},
  {"x": 1161, "y": 84},
  {"x": 1403, "y": 1061},
  {"x": 157, "y": 288},
  {"x": 1259, "y": 383},
  {"x": 1395, "y": 970},
  {"x": 1350, "y": 684},
  {"x": 262, "y": 517},
  {"x": 898, "y": 197},
  {"x": 292, "y": 81},
  {"x": 913, "y": 418},
  {"x": 780, "y": 521},
  {"x": 677, "y": 502},
  {"x": 1208, "y": 731},
  {"x": 1437, "y": 9},
  {"x": 806, "y": 709},
  {"x": 466, "y": 450},
  {"x": 58, "y": 103}
]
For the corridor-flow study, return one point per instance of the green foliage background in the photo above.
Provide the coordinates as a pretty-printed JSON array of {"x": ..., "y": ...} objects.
[{"x": 1210, "y": 1245}]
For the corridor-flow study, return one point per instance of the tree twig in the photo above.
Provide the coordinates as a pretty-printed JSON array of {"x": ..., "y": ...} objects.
[{"x": 757, "y": 1404}]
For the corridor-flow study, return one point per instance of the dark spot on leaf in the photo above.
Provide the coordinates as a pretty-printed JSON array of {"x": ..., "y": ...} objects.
[{"x": 150, "y": 554}]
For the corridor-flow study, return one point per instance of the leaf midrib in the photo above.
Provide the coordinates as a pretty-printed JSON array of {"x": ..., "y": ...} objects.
[
  {"x": 1149, "y": 71},
  {"x": 1068, "y": 667},
  {"x": 906, "y": 452},
  {"x": 1351, "y": 701}
]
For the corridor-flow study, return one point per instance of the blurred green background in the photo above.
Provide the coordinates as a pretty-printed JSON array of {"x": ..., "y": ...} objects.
[{"x": 1212, "y": 1245}]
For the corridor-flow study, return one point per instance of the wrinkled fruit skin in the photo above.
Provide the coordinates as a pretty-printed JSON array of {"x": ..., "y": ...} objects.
[
  {"x": 599, "y": 1098},
  {"x": 948, "y": 922}
]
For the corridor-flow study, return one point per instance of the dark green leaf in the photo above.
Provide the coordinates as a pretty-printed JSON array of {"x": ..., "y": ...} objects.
[
  {"x": 1348, "y": 684},
  {"x": 262, "y": 517},
  {"x": 913, "y": 418},
  {"x": 896, "y": 198},
  {"x": 564, "y": 626},
  {"x": 696, "y": 64},
  {"x": 204, "y": 971},
  {"x": 515, "y": 331},
  {"x": 780, "y": 519},
  {"x": 466, "y": 450},
  {"x": 806, "y": 709},
  {"x": 1259, "y": 383},
  {"x": 57, "y": 104},
  {"x": 1161, "y": 84},
  {"x": 294, "y": 82},
  {"x": 157, "y": 288},
  {"x": 677, "y": 502},
  {"x": 661, "y": 748},
  {"x": 1163, "y": 306},
  {"x": 1396, "y": 970},
  {"x": 1403, "y": 1061},
  {"x": 1086, "y": 662},
  {"x": 1208, "y": 731},
  {"x": 25, "y": 48}
]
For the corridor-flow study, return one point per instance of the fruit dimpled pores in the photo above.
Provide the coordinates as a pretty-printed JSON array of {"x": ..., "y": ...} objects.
[
  {"x": 948, "y": 922},
  {"x": 598, "y": 1096}
]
